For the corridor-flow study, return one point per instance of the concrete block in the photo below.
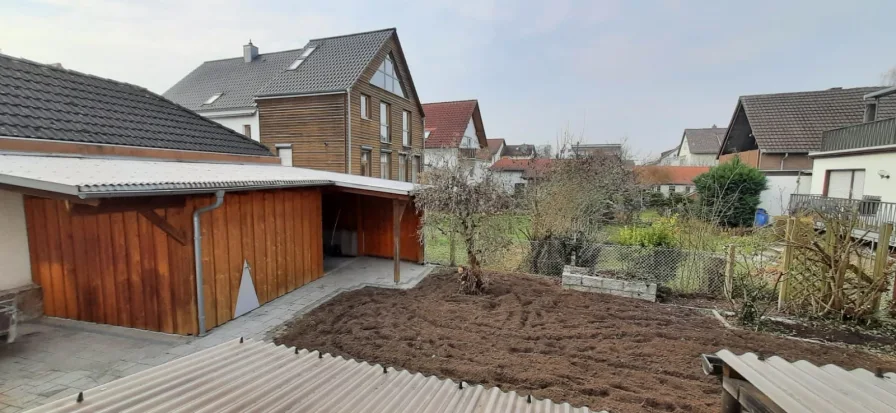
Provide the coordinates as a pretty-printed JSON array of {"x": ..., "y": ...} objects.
[
  {"x": 651, "y": 290},
  {"x": 610, "y": 284},
  {"x": 635, "y": 287},
  {"x": 595, "y": 282},
  {"x": 569, "y": 269},
  {"x": 571, "y": 279}
]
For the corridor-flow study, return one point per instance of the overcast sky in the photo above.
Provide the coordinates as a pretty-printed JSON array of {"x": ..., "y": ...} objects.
[{"x": 645, "y": 70}]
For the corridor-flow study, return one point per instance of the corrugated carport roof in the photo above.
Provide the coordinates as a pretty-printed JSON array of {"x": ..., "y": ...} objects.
[
  {"x": 261, "y": 377},
  {"x": 107, "y": 177}
]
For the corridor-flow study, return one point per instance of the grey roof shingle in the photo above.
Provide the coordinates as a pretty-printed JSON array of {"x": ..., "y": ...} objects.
[
  {"x": 335, "y": 64},
  {"x": 237, "y": 80},
  {"x": 793, "y": 122},
  {"x": 705, "y": 140},
  {"x": 42, "y": 102}
]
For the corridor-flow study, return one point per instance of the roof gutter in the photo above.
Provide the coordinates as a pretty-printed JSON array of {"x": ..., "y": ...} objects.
[
  {"x": 195, "y": 191},
  {"x": 296, "y": 95},
  {"x": 197, "y": 254}
]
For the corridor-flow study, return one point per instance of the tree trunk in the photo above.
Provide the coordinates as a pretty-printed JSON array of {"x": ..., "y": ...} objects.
[{"x": 471, "y": 281}]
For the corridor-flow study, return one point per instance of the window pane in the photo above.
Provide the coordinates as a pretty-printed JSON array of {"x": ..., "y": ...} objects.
[
  {"x": 405, "y": 120},
  {"x": 389, "y": 70},
  {"x": 379, "y": 79},
  {"x": 384, "y": 113}
]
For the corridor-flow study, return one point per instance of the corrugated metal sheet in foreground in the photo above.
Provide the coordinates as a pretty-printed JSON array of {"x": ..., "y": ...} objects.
[
  {"x": 804, "y": 387},
  {"x": 261, "y": 377}
]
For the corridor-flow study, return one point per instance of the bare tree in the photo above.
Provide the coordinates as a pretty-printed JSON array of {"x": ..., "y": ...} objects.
[{"x": 473, "y": 209}]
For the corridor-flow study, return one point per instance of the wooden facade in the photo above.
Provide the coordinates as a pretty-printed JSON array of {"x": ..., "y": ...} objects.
[
  {"x": 314, "y": 125},
  {"x": 317, "y": 125},
  {"x": 118, "y": 266}
]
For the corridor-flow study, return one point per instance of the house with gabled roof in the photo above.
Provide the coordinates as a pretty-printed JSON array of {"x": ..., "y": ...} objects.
[
  {"x": 120, "y": 207},
  {"x": 700, "y": 147},
  {"x": 495, "y": 149},
  {"x": 455, "y": 133},
  {"x": 343, "y": 103},
  {"x": 776, "y": 133}
]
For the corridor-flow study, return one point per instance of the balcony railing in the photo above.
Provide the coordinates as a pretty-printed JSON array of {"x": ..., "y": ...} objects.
[
  {"x": 871, "y": 213},
  {"x": 863, "y": 135}
]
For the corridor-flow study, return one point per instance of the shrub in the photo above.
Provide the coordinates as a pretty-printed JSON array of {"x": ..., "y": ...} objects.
[
  {"x": 730, "y": 192},
  {"x": 660, "y": 233}
]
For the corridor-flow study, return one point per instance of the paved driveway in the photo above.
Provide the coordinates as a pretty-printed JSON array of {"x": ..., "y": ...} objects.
[{"x": 54, "y": 358}]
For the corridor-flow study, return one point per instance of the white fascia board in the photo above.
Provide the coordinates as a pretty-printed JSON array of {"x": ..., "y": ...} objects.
[
  {"x": 227, "y": 113},
  {"x": 40, "y": 185}
]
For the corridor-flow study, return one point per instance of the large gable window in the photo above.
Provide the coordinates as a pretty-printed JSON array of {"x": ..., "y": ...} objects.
[{"x": 387, "y": 78}]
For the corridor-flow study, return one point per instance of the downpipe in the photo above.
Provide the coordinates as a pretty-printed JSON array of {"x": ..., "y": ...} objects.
[{"x": 197, "y": 254}]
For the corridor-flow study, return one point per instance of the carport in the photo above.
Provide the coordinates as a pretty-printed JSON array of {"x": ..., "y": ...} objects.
[{"x": 174, "y": 246}]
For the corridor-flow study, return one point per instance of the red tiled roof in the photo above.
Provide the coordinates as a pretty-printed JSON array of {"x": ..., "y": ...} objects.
[
  {"x": 678, "y": 175},
  {"x": 529, "y": 167},
  {"x": 494, "y": 145},
  {"x": 447, "y": 122}
]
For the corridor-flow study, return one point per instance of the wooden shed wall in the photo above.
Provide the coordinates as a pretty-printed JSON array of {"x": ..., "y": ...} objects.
[
  {"x": 112, "y": 268},
  {"x": 278, "y": 233},
  {"x": 372, "y": 218},
  {"x": 118, "y": 268}
]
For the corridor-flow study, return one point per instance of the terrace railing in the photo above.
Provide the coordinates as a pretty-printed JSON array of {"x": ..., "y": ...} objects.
[
  {"x": 863, "y": 135},
  {"x": 871, "y": 212}
]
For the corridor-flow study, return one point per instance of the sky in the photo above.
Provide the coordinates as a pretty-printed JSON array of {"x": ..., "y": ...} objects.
[{"x": 639, "y": 71}]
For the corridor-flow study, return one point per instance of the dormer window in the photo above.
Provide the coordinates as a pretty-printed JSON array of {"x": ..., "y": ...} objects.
[
  {"x": 386, "y": 77},
  {"x": 212, "y": 99},
  {"x": 307, "y": 52}
]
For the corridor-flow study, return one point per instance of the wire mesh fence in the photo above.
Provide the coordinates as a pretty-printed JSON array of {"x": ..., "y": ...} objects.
[{"x": 682, "y": 271}]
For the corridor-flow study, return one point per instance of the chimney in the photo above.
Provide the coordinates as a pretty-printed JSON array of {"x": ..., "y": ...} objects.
[{"x": 250, "y": 52}]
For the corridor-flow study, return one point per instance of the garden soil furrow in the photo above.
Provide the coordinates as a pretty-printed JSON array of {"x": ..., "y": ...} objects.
[{"x": 529, "y": 335}]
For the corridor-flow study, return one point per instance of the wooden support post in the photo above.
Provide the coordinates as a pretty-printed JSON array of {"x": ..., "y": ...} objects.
[
  {"x": 880, "y": 258},
  {"x": 788, "y": 259},
  {"x": 397, "y": 213},
  {"x": 729, "y": 271}
]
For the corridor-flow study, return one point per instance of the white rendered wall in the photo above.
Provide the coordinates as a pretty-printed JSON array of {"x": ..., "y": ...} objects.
[
  {"x": 872, "y": 163},
  {"x": 15, "y": 270},
  {"x": 236, "y": 123}
]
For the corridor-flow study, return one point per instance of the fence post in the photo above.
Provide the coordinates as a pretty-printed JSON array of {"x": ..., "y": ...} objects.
[
  {"x": 880, "y": 258},
  {"x": 451, "y": 258},
  {"x": 788, "y": 259},
  {"x": 729, "y": 271}
]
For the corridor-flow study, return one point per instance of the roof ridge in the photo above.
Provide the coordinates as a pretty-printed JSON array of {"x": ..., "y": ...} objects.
[
  {"x": 833, "y": 89},
  {"x": 259, "y": 55},
  {"x": 71, "y": 71},
  {"x": 451, "y": 101},
  {"x": 351, "y": 34}
]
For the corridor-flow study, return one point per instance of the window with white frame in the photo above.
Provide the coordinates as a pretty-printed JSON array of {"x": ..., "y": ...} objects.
[
  {"x": 405, "y": 128},
  {"x": 365, "y": 107},
  {"x": 402, "y": 167},
  {"x": 385, "y": 165},
  {"x": 385, "y": 121},
  {"x": 847, "y": 184}
]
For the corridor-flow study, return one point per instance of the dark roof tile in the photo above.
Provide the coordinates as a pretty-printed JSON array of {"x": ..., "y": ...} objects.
[{"x": 44, "y": 102}]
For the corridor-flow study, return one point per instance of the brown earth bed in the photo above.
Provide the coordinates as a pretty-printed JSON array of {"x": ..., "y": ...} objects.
[{"x": 529, "y": 335}]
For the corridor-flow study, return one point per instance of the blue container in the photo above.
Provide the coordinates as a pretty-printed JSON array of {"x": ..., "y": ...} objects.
[{"x": 761, "y": 218}]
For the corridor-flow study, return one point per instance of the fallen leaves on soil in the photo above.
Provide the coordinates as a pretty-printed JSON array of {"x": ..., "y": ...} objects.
[{"x": 529, "y": 335}]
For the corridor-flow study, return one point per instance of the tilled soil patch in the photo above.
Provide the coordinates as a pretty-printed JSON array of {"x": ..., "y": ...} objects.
[{"x": 529, "y": 335}]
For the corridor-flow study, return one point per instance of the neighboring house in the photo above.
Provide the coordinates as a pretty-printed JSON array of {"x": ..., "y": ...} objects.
[
  {"x": 343, "y": 104},
  {"x": 776, "y": 133},
  {"x": 515, "y": 174},
  {"x": 455, "y": 133},
  {"x": 668, "y": 179},
  {"x": 523, "y": 151},
  {"x": 118, "y": 203},
  {"x": 669, "y": 157},
  {"x": 592, "y": 149},
  {"x": 855, "y": 167},
  {"x": 495, "y": 149},
  {"x": 700, "y": 147}
]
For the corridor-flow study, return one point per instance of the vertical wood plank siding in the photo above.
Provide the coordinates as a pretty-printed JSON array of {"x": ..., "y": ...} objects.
[
  {"x": 314, "y": 125},
  {"x": 371, "y": 218},
  {"x": 367, "y": 131},
  {"x": 118, "y": 268}
]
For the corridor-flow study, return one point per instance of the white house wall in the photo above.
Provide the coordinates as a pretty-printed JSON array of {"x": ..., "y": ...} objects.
[
  {"x": 509, "y": 179},
  {"x": 776, "y": 198},
  {"x": 872, "y": 163},
  {"x": 15, "y": 270},
  {"x": 237, "y": 122}
]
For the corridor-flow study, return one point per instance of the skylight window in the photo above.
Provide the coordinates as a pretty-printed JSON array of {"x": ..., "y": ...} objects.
[
  {"x": 212, "y": 99},
  {"x": 295, "y": 65}
]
